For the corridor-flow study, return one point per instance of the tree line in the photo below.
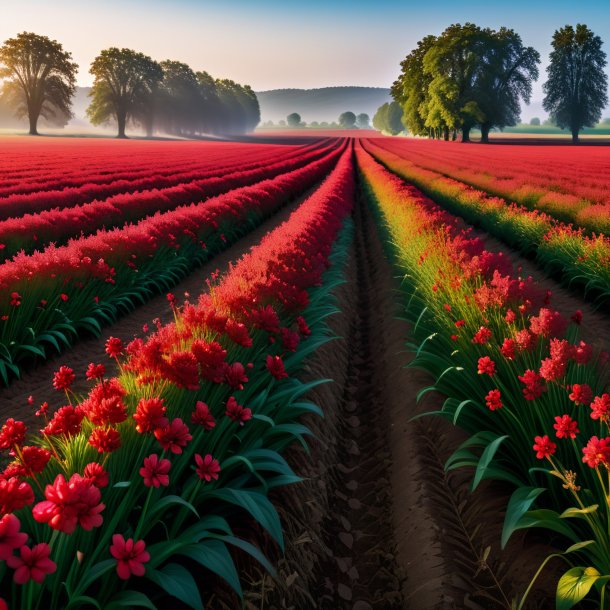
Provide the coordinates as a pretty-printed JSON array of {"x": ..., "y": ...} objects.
[
  {"x": 477, "y": 77},
  {"x": 346, "y": 120},
  {"x": 129, "y": 88}
]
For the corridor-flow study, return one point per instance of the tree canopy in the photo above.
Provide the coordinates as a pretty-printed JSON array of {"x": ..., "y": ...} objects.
[
  {"x": 347, "y": 120},
  {"x": 465, "y": 77},
  {"x": 576, "y": 89},
  {"x": 389, "y": 118},
  {"x": 293, "y": 119},
  {"x": 124, "y": 83},
  {"x": 40, "y": 78},
  {"x": 363, "y": 121}
]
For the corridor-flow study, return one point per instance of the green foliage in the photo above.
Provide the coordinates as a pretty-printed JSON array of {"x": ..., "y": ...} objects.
[
  {"x": 363, "y": 121},
  {"x": 347, "y": 120},
  {"x": 40, "y": 78},
  {"x": 388, "y": 118},
  {"x": 293, "y": 119},
  {"x": 535, "y": 121},
  {"x": 576, "y": 89}
]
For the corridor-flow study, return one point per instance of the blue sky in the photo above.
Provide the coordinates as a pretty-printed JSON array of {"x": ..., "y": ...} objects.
[{"x": 281, "y": 43}]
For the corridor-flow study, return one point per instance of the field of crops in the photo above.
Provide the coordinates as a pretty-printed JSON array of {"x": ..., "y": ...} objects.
[{"x": 343, "y": 373}]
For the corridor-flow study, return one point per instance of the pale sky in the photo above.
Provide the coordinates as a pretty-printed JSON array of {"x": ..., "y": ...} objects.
[{"x": 271, "y": 44}]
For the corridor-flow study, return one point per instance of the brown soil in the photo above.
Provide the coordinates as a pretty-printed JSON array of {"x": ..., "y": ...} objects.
[
  {"x": 37, "y": 381},
  {"x": 377, "y": 523}
]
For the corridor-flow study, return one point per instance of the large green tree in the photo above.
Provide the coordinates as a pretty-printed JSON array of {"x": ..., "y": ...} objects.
[
  {"x": 347, "y": 120},
  {"x": 388, "y": 118},
  {"x": 508, "y": 71},
  {"x": 209, "y": 115},
  {"x": 40, "y": 77},
  {"x": 363, "y": 121},
  {"x": 124, "y": 82},
  {"x": 293, "y": 119},
  {"x": 576, "y": 89},
  {"x": 180, "y": 98}
]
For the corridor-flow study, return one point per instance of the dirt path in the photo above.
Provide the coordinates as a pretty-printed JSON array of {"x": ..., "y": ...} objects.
[{"x": 37, "y": 381}]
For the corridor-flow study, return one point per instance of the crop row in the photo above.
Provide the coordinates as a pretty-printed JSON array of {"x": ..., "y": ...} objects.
[
  {"x": 53, "y": 295},
  {"x": 19, "y": 204},
  {"x": 571, "y": 188},
  {"x": 134, "y": 494},
  {"x": 515, "y": 374},
  {"x": 34, "y": 231},
  {"x": 562, "y": 251}
]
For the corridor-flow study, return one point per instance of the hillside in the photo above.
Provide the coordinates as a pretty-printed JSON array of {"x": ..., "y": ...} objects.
[{"x": 324, "y": 104}]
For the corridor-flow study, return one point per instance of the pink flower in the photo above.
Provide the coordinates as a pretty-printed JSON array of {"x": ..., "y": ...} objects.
[
  {"x": 544, "y": 447},
  {"x": 155, "y": 471},
  {"x": 596, "y": 452},
  {"x": 566, "y": 427},
  {"x": 581, "y": 394},
  {"x": 600, "y": 407},
  {"x": 174, "y": 436},
  {"x": 131, "y": 556},
  {"x": 10, "y": 536},
  {"x": 32, "y": 564},
  {"x": 96, "y": 474},
  {"x": 207, "y": 467}
]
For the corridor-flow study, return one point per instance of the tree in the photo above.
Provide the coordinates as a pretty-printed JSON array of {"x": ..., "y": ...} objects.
[
  {"x": 347, "y": 120},
  {"x": 210, "y": 111},
  {"x": 410, "y": 89},
  {"x": 388, "y": 118},
  {"x": 363, "y": 121},
  {"x": 180, "y": 99},
  {"x": 124, "y": 83},
  {"x": 576, "y": 89},
  {"x": 535, "y": 121},
  {"x": 293, "y": 119},
  {"x": 506, "y": 76},
  {"x": 40, "y": 77}
]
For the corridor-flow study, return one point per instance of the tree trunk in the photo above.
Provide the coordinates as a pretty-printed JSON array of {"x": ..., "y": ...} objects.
[
  {"x": 446, "y": 134},
  {"x": 121, "y": 119},
  {"x": 454, "y": 135},
  {"x": 574, "y": 136},
  {"x": 485, "y": 133},
  {"x": 465, "y": 134},
  {"x": 150, "y": 127},
  {"x": 33, "y": 123}
]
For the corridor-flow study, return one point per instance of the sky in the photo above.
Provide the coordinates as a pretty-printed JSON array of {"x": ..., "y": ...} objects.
[{"x": 271, "y": 44}]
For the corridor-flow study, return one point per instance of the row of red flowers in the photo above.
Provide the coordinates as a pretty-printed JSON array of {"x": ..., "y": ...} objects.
[
  {"x": 514, "y": 370},
  {"x": 111, "y": 489}
]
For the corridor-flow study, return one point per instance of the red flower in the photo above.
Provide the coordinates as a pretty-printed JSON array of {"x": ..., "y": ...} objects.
[
  {"x": 15, "y": 299},
  {"x": 114, "y": 347},
  {"x": 235, "y": 375},
  {"x": 577, "y": 317},
  {"x": 267, "y": 319},
  {"x": 460, "y": 323},
  {"x": 105, "y": 440},
  {"x": 12, "y": 433},
  {"x": 493, "y": 400},
  {"x": 566, "y": 427},
  {"x": 34, "y": 459},
  {"x": 290, "y": 339},
  {"x": 582, "y": 353},
  {"x": 202, "y": 416},
  {"x": 62, "y": 380},
  {"x": 10, "y": 536},
  {"x": 237, "y": 412},
  {"x": 63, "y": 296},
  {"x": 482, "y": 336},
  {"x": 552, "y": 369},
  {"x": 14, "y": 495},
  {"x": 238, "y": 333},
  {"x": 486, "y": 366},
  {"x": 70, "y": 503},
  {"x": 533, "y": 385},
  {"x": 581, "y": 394},
  {"x": 211, "y": 358},
  {"x": 95, "y": 371},
  {"x": 544, "y": 447},
  {"x": 183, "y": 370},
  {"x": 131, "y": 556},
  {"x": 596, "y": 452},
  {"x": 3, "y": 605},
  {"x": 66, "y": 421},
  {"x": 96, "y": 474},
  {"x": 171, "y": 299},
  {"x": 43, "y": 410},
  {"x": 600, "y": 407},
  {"x": 155, "y": 471},
  {"x": 303, "y": 328},
  {"x": 150, "y": 415},
  {"x": 174, "y": 436},
  {"x": 508, "y": 349},
  {"x": 32, "y": 564},
  {"x": 548, "y": 323},
  {"x": 207, "y": 467},
  {"x": 510, "y": 316},
  {"x": 275, "y": 365}
]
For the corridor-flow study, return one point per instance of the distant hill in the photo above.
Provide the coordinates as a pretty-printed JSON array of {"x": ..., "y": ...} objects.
[{"x": 324, "y": 104}]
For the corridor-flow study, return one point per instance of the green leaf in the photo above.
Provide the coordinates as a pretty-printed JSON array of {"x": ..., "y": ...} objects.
[
  {"x": 574, "y": 585},
  {"x": 83, "y": 600},
  {"x": 518, "y": 505},
  {"x": 178, "y": 582},
  {"x": 171, "y": 500},
  {"x": 249, "y": 548},
  {"x": 130, "y": 599},
  {"x": 258, "y": 505},
  {"x": 95, "y": 572},
  {"x": 579, "y": 513},
  {"x": 214, "y": 555}
]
